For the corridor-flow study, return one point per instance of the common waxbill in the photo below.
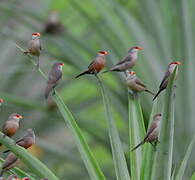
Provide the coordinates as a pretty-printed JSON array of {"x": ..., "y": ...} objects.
[
  {"x": 167, "y": 74},
  {"x": 54, "y": 76},
  {"x": 135, "y": 83},
  {"x": 27, "y": 141},
  {"x": 11, "y": 126},
  {"x": 34, "y": 46},
  {"x": 96, "y": 65},
  {"x": 128, "y": 61},
  {"x": 153, "y": 132},
  {"x": 10, "y": 161}
]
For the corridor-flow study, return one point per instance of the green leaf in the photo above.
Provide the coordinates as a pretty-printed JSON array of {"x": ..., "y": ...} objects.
[
  {"x": 136, "y": 134},
  {"x": 117, "y": 151},
  {"x": 163, "y": 158},
  {"x": 33, "y": 163},
  {"x": 86, "y": 154},
  {"x": 183, "y": 165}
]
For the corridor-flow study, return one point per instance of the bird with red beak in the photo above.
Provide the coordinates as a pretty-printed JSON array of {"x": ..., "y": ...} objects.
[
  {"x": 128, "y": 61},
  {"x": 11, "y": 126},
  {"x": 54, "y": 76},
  {"x": 96, "y": 65},
  {"x": 27, "y": 141},
  {"x": 165, "y": 80},
  {"x": 10, "y": 162},
  {"x": 34, "y": 46},
  {"x": 153, "y": 132},
  {"x": 135, "y": 84}
]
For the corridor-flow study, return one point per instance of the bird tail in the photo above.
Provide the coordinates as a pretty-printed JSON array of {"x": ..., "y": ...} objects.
[
  {"x": 157, "y": 94},
  {"x": 137, "y": 146},
  {"x": 83, "y": 73},
  {"x": 150, "y": 92},
  {"x": 6, "y": 151},
  {"x": 48, "y": 90}
]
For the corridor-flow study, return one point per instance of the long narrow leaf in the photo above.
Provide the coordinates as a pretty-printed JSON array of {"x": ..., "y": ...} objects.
[
  {"x": 136, "y": 134},
  {"x": 33, "y": 163},
  {"x": 183, "y": 165},
  {"x": 86, "y": 154},
  {"x": 117, "y": 151},
  {"x": 164, "y": 152}
]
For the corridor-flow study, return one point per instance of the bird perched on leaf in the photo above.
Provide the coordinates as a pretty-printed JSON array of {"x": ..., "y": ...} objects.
[
  {"x": 152, "y": 134},
  {"x": 96, "y": 65},
  {"x": 169, "y": 71},
  {"x": 10, "y": 161},
  {"x": 27, "y": 141},
  {"x": 11, "y": 126},
  {"x": 128, "y": 61},
  {"x": 54, "y": 76},
  {"x": 135, "y": 83},
  {"x": 34, "y": 46}
]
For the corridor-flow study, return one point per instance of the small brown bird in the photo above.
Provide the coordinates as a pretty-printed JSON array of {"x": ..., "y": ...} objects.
[
  {"x": 13, "y": 177},
  {"x": 128, "y": 61},
  {"x": 152, "y": 134},
  {"x": 10, "y": 161},
  {"x": 34, "y": 46},
  {"x": 96, "y": 65},
  {"x": 135, "y": 83},
  {"x": 27, "y": 141},
  {"x": 54, "y": 76},
  {"x": 167, "y": 74},
  {"x": 11, "y": 126}
]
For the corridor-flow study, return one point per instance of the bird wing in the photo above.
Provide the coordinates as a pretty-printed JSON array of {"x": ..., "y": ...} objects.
[
  {"x": 126, "y": 58},
  {"x": 139, "y": 82},
  {"x": 152, "y": 127},
  {"x": 54, "y": 76},
  {"x": 91, "y": 64},
  {"x": 166, "y": 75}
]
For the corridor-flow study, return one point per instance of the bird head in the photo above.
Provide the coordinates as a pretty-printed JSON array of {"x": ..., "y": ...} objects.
[
  {"x": 135, "y": 49},
  {"x": 1, "y": 101},
  {"x": 60, "y": 65},
  {"x": 16, "y": 116},
  {"x": 158, "y": 116},
  {"x": 102, "y": 53},
  {"x": 36, "y": 35},
  {"x": 176, "y": 63}
]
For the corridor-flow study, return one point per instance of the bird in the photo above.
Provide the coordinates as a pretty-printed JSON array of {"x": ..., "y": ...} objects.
[
  {"x": 96, "y": 65},
  {"x": 54, "y": 76},
  {"x": 27, "y": 141},
  {"x": 11, "y": 126},
  {"x": 128, "y": 62},
  {"x": 10, "y": 161},
  {"x": 153, "y": 132},
  {"x": 135, "y": 83},
  {"x": 34, "y": 46},
  {"x": 13, "y": 177},
  {"x": 165, "y": 80}
]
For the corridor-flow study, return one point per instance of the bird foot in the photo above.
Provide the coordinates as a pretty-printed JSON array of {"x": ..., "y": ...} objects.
[
  {"x": 25, "y": 52},
  {"x": 53, "y": 92}
]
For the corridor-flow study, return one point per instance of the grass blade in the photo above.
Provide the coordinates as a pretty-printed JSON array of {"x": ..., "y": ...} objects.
[
  {"x": 164, "y": 152},
  {"x": 33, "y": 163},
  {"x": 117, "y": 151},
  {"x": 88, "y": 157},
  {"x": 136, "y": 134},
  {"x": 183, "y": 165}
]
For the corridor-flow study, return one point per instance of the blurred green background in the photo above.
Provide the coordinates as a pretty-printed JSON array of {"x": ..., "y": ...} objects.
[{"x": 81, "y": 28}]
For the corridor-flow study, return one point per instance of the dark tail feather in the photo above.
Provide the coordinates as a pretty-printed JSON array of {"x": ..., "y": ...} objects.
[
  {"x": 83, "y": 73},
  {"x": 137, "y": 146},
  {"x": 157, "y": 94},
  {"x": 48, "y": 89},
  {"x": 6, "y": 151},
  {"x": 1, "y": 173},
  {"x": 150, "y": 92}
]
